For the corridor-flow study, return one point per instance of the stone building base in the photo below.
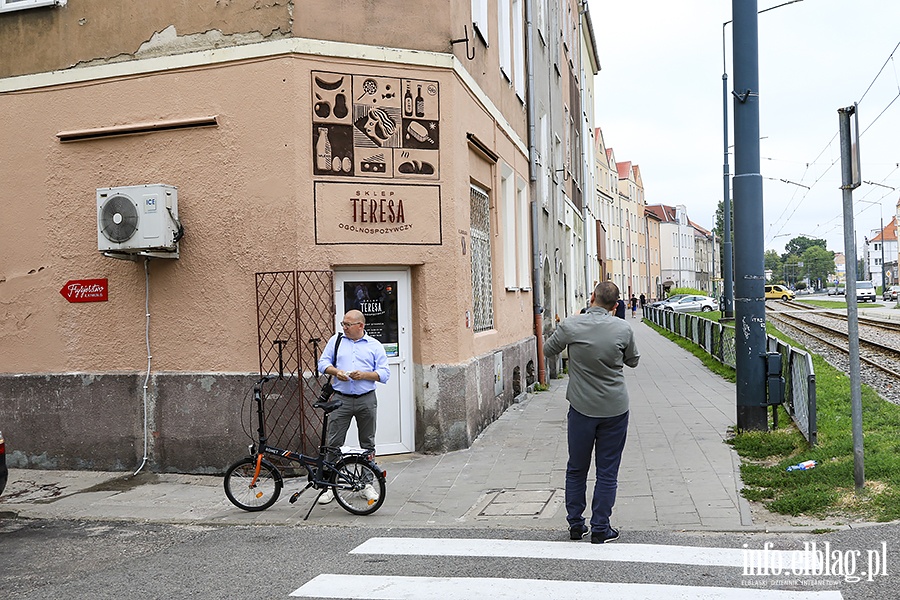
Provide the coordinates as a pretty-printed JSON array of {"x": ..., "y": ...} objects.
[{"x": 196, "y": 422}]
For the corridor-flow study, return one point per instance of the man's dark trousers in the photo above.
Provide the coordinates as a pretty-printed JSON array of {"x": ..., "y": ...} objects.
[{"x": 604, "y": 437}]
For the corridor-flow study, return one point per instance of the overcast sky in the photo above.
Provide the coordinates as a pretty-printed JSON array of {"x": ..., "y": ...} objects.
[{"x": 659, "y": 103}]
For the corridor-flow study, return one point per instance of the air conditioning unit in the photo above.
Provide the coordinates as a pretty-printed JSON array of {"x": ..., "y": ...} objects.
[{"x": 138, "y": 220}]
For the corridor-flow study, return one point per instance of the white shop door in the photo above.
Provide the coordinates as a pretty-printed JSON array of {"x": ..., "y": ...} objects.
[{"x": 384, "y": 299}]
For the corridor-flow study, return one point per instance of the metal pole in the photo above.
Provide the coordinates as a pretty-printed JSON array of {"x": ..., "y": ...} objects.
[
  {"x": 536, "y": 274},
  {"x": 712, "y": 273},
  {"x": 852, "y": 313},
  {"x": 883, "y": 285},
  {"x": 749, "y": 263},
  {"x": 727, "y": 259}
]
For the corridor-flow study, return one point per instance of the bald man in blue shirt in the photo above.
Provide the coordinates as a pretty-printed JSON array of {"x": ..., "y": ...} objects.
[{"x": 361, "y": 363}]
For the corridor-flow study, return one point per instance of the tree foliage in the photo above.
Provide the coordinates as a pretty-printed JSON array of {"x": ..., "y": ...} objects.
[
  {"x": 818, "y": 262},
  {"x": 773, "y": 263},
  {"x": 799, "y": 245}
]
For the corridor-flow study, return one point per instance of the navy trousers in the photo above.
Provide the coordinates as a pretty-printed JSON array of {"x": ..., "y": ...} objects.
[{"x": 604, "y": 437}]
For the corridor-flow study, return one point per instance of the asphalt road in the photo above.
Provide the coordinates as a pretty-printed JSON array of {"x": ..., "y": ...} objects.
[{"x": 115, "y": 560}]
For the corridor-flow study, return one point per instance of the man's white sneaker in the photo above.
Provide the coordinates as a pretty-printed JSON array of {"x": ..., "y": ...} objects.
[
  {"x": 370, "y": 493},
  {"x": 326, "y": 497}
]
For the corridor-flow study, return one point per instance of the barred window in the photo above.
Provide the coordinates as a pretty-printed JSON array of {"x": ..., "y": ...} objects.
[{"x": 483, "y": 317}]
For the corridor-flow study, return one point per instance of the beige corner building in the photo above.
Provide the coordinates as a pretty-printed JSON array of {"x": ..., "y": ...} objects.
[{"x": 195, "y": 193}]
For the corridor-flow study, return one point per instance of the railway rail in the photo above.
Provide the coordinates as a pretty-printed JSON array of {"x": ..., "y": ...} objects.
[{"x": 821, "y": 331}]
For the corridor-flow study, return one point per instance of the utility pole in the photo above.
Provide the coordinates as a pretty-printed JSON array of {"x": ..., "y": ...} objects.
[
  {"x": 883, "y": 286},
  {"x": 727, "y": 258},
  {"x": 749, "y": 263},
  {"x": 850, "y": 181}
]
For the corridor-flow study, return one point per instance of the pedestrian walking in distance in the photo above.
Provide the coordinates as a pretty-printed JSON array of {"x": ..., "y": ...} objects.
[
  {"x": 620, "y": 308},
  {"x": 633, "y": 306},
  {"x": 599, "y": 345},
  {"x": 643, "y": 299}
]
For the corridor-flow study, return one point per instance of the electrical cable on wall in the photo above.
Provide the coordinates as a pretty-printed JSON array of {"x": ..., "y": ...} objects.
[{"x": 149, "y": 356}]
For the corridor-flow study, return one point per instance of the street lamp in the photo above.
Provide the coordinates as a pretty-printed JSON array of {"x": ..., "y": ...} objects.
[{"x": 728, "y": 262}]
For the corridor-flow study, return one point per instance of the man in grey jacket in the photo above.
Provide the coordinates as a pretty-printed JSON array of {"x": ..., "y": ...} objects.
[{"x": 599, "y": 345}]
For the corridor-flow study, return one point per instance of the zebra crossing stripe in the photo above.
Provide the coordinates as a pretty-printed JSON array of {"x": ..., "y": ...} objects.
[
  {"x": 380, "y": 587},
  {"x": 649, "y": 553}
]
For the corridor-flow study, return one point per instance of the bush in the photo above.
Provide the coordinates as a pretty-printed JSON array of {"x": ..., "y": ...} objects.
[{"x": 688, "y": 290}]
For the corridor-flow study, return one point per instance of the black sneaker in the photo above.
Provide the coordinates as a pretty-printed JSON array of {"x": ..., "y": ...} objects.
[
  {"x": 604, "y": 538},
  {"x": 577, "y": 532}
]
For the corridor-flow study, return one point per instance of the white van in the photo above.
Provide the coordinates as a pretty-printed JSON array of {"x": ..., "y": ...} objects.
[{"x": 865, "y": 291}]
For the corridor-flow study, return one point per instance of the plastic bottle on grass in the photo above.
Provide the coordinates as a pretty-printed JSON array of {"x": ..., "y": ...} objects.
[{"x": 804, "y": 466}]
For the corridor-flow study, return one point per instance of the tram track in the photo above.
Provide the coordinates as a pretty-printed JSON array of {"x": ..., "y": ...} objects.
[
  {"x": 829, "y": 313},
  {"x": 880, "y": 359}
]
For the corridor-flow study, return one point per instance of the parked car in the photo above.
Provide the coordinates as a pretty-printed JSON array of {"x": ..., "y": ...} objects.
[
  {"x": 836, "y": 291},
  {"x": 778, "y": 292},
  {"x": 693, "y": 304},
  {"x": 4, "y": 471},
  {"x": 891, "y": 293},
  {"x": 865, "y": 291},
  {"x": 662, "y": 303}
]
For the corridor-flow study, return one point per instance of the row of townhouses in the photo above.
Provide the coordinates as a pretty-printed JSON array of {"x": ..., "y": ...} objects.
[
  {"x": 195, "y": 193},
  {"x": 880, "y": 252}
]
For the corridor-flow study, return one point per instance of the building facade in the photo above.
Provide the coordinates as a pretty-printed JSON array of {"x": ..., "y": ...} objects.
[
  {"x": 398, "y": 162},
  {"x": 881, "y": 248},
  {"x": 677, "y": 247}
]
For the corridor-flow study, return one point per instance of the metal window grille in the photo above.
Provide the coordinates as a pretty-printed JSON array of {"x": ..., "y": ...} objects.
[
  {"x": 482, "y": 293},
  {"x": 295, "y": 318}
]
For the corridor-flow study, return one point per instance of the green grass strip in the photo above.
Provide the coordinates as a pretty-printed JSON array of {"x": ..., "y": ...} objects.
[{"x": 828, "y": 489}]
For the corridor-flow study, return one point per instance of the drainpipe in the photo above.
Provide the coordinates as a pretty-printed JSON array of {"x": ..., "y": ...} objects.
[{"x": 536, "y": 278}]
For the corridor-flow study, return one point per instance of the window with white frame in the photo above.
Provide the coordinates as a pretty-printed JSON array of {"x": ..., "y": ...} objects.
[
  {"x": 504, "y": 38},
  {"x": 508, "y": 217},
  {"x": 480, "y": 232},
  {"x": 545, "y": 157},
  {"x": 518, "y": 45},
  {"x": 480, "y": 19},
  {"x": 11, "y": 5},
  {"x": 523, "y": 235},
  {"x": 542, "y": 20}
]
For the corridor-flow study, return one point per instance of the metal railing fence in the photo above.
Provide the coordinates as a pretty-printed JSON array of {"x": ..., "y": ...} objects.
[{"x": 717, "y": 340}]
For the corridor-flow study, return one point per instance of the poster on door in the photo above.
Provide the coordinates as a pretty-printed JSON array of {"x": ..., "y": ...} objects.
[{"x": 377, "y": 301}]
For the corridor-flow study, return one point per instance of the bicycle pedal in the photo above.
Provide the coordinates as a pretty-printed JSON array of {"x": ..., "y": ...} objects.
[{"x": 294, "y": 496}]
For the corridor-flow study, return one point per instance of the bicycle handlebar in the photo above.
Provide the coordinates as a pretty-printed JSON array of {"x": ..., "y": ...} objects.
[{"x": 264, "y": 379}]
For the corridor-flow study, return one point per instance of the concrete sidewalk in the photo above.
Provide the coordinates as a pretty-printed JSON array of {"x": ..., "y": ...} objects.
[{"x": 677, "y": 472}]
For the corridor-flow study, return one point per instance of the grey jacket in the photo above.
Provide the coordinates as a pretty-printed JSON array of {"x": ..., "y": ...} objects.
[{"x": 599, "y": 345}]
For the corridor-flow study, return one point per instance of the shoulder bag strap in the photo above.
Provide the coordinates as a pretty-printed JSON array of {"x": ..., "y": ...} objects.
[{"x": 337, "y": 343}]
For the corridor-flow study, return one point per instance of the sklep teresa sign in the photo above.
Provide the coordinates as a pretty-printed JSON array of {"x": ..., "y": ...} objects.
[{"x": 86, "y": 290}]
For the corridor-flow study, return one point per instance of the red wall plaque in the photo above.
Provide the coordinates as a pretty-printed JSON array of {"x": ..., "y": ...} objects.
[{"x": 86, "y": 290}]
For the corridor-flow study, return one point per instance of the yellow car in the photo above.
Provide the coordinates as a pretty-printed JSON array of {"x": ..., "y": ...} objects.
[{"x": 778, "y": 292}]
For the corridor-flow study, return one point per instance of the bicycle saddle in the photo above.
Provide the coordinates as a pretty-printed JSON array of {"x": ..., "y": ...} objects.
[{"x": 330, "y": 405}]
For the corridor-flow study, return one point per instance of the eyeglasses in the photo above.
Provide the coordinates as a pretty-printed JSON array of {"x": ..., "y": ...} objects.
[{"x": 349, "y": 324}]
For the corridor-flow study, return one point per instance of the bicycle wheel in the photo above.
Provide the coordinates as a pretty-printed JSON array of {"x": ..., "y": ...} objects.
[
  {"x": 358, "y": 487},
  {"x": 248, "y": 494}
]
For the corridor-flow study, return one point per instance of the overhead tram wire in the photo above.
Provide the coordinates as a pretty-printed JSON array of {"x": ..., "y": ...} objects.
[
  {"x": 891, "y": 56},
  {"x": 828, "y": 145}
]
